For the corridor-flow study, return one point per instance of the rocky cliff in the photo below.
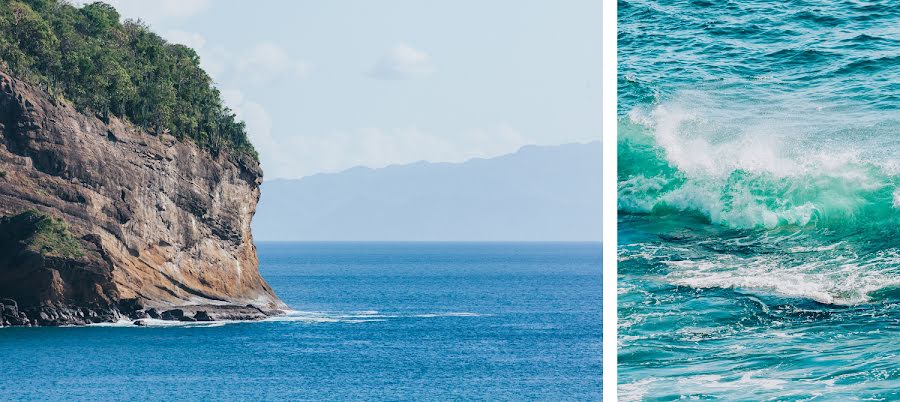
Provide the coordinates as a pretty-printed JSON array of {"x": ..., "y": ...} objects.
[{"x": 104, "y": 220}]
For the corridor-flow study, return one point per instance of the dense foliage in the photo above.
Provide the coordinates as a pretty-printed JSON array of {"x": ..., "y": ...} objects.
[
  {"x": 111, "y": 68},
  {"x": 39, "y": 232}
]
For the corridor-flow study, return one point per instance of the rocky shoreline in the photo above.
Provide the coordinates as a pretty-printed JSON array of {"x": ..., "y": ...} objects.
[
  {"x": 54, "y": 316},
  {"x": 101, "y": 220}
]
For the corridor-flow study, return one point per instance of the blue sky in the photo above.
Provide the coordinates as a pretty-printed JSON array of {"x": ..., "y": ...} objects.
[{"x": 329, "y": 85}]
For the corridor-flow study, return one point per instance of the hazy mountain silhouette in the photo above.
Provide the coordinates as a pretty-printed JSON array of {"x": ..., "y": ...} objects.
[{"x": 539, "y": 193}]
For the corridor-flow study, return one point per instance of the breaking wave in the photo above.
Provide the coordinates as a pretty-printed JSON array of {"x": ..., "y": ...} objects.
[
  {"x": 750, "y": 198},
  {"x": 761, "y": 174}
]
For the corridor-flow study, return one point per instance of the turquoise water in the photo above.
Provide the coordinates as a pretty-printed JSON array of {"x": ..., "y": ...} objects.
[
  {"x": 759, "y": 200},
  {"x": 374, "y": 321}
]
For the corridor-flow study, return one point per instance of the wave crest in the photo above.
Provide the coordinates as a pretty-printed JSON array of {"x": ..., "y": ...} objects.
[{"x": 754, "y": 173}]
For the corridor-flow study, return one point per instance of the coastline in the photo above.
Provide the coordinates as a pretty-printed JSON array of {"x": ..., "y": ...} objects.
[{"x": 57, "y": 316}]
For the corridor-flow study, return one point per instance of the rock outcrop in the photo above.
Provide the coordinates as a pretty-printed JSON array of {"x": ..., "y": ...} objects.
[{"x": 102, "y": 221}]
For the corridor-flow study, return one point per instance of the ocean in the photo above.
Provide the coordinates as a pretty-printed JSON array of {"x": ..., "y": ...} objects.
[
  {"x": 371, "y": 321},
  {"x": 759, "y": 200}
]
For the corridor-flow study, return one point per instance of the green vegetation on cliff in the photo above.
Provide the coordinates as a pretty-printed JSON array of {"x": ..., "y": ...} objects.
[
  {"x": 111, "y": 68},
  {"x": 40, "y": 233}
]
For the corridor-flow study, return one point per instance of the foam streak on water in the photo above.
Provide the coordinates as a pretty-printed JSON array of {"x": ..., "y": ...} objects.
[
  {"x": 309, "y": 317},
  {"x": 758, "y": 188}
]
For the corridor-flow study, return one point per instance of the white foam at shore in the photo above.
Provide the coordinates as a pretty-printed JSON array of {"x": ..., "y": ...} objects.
[
  {"x": 312, "y": 317},
  {"x": 153, "y": 322}
]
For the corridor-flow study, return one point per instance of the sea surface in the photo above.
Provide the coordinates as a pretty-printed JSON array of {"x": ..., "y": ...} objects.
[
  {"x": 759, "y": 200},
  {"x": 372, "y": 321}
]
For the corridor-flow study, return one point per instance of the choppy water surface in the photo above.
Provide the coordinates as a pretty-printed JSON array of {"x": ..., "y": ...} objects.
[
  {"x": 375, "y": 321},
  {"x": 759, "y": 200}
]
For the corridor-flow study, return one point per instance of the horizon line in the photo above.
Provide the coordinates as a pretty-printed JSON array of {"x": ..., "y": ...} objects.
[{"x": 430, "y": 241}]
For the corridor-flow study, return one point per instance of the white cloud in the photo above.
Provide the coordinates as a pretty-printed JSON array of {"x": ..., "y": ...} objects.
[
  {"x": 259, "y": 122},
  {"x": 306, "y": 155},
  {"x": 402, "y": 62},
  {"x": 259, "y": 128},
  {"x": 297, "y": 156},
  {"x": 176, "y": 8},
  {"x": 232, "y": 98},
  {"x": 192, "y": 40},
  {"x": 156, "y": 11},
  {"x": 267, "y": 62},
  {"x": 264, "y": 63},
  {"x": 214, "y": 60}
]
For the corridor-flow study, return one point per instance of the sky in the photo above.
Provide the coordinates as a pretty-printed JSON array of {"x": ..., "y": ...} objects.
[{"x": 328, "y": 85}]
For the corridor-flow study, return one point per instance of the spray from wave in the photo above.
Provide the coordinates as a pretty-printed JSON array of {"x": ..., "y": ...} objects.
[
  {"x": 752, "y": 197},
  {"x": 755, "y": 168}
]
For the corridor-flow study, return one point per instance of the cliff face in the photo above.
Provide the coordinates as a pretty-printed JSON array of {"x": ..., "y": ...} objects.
[{"x": 103, "y": 220}]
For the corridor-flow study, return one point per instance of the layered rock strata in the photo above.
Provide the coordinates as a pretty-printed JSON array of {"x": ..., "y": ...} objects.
[{"x": 101, "y": 221}]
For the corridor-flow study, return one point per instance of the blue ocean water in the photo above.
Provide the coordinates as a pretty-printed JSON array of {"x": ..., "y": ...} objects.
[
  {"x": 374, "y": 321},
  {"x": 759, "y": 200}
]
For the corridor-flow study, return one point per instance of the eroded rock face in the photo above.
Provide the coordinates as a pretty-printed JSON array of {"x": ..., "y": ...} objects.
[{"x": 158, "y": 222}]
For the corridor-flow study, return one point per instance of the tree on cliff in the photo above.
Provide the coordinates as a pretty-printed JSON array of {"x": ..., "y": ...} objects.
[{"x": 102, "y": 65}]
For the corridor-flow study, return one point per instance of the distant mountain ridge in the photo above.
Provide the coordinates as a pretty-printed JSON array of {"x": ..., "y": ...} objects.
[{"x": 539, "y": 193}]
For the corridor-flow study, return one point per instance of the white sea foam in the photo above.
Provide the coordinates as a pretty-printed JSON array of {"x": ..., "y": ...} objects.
[
  {"x": 836, "y": 280},
  {"x": 717, "y": 383},
  {"x": 815, "y": 249},
  {"x": 309, "y": 317},
  {"x": 701, "y": 384},
  {"x": 358, "y": 316},
  {"x": 312, "y": 317},
  {"x": 451, "y": 314},
  {"x": 635, "y": 391},
  {"x": 157, "y": 323},
  {"x": 830, "y": 274}
]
